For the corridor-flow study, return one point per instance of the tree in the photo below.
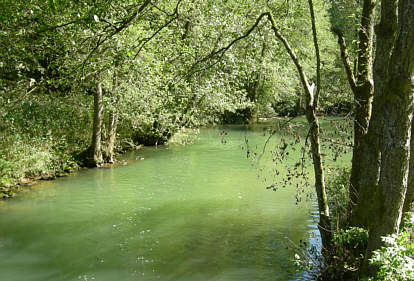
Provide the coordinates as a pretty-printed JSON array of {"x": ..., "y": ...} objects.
[
  {"x": 393, "y": 102},
  {"x": 383, "y": 151},
  {"x": 361, "y": 84}
]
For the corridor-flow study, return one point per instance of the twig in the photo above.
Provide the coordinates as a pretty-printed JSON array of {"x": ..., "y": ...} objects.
[{"x": 25, "y": 95}]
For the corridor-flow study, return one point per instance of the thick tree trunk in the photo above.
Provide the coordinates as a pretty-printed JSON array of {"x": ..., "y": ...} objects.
[
  {"x": 396, "y": 104},
  {"x": 95, "y": 157},
  {"x": 369, "y": 153}
]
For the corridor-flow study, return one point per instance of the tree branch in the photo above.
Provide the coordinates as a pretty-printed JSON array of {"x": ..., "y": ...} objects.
[
  {"x": 56, "y": 27},
  {"x": 308, "y": 89},
  {"x": 318, "y": 57},
  {"x": 292, "y": 54},
  {"x": 124, "y": 24},
  {"x": 167, "y": 23},
  {"x": 226, "y": 48},
  {"x": 345, "y": 59}
]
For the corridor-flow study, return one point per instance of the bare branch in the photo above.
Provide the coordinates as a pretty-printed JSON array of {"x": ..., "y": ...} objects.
[{"x": 293, "y": 56}]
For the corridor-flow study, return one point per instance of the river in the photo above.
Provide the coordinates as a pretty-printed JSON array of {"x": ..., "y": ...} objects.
[{"x": 175, "y": 213}]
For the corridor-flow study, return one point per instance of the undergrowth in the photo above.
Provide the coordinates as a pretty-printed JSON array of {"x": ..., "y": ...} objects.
[
  {"x": 343, "y": 261},
  {"x": 38, "y": 140}
]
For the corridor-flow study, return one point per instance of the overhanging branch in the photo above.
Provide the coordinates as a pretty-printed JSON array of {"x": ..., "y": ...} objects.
[
  {"x": 291, "y": 52},
  {"x": 167, "y": 23},
  {"x": 124, "y": 24},
  {"x": 222, "y": 50}
]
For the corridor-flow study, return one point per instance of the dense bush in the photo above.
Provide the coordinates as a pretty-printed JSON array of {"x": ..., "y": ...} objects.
[{"x": 39, "y": 140}]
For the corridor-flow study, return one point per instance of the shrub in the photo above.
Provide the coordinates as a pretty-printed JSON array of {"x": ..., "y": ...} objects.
[{"x": 396, "y": 259}]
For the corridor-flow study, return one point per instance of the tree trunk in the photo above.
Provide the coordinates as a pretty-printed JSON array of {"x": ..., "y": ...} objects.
[
  {"x": 110, "y": 145},
  {"x": 253, "y": 86},
  {"x": 362, "y": 87},
  {"x": 312, "y": 103},
  {"x": 311, "y": 109},
  {"x": 324, "y": 220},
  {"x": 409, "y": 196},
  {"x": 95, "y": 158},
  {"x": 112, "y": 126},
  {"x": 396, "y": 105},
  {"x": 369, "y": 153}
]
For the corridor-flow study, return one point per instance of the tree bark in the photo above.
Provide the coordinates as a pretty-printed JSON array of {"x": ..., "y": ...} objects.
[
  {"x": 110, "y": 145},
  {"x": 317, "y": 56},
  {"x": 396, "y": 104},
  {"x": 112, "y": 125},
  {"x": 369, "y": 154},
  {"x": 361, "y": 85},
  {"x": 324, "y": 225},
  {"x": 96, "y": 159},
  {"x": 409, "y": 196}
]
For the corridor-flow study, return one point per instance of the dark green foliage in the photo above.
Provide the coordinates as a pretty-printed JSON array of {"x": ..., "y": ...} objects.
[
  {"x": 153, "y": 136},
  {"x": 288, "y": 107},
  {"x": 347, "y": 254},
  {"x": 240, "y": 116},
  {"x": 38, "y": 140}
]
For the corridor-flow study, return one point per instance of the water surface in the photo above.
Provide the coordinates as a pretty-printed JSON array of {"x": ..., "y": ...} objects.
[{"x": 193, "y": 213}]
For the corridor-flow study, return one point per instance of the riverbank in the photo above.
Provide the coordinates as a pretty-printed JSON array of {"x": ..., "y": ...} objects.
[
  {"x": 19, "y": 174},
  {"x": 11, "y": 187},
  {"x": 26, "y": 160}
]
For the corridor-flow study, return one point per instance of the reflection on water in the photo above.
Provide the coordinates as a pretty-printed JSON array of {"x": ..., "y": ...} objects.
[{"x": 184, "y": 213}]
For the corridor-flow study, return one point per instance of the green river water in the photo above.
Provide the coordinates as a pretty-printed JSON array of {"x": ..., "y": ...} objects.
[{"x": 182, "y": 213}]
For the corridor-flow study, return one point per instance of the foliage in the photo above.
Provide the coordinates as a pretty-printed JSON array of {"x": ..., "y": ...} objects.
[
  {"x": 184, "y": 137},
  {"x": 396, "y": 259},
  {"x": 347, "y": 253},
  {"x": 337, "y": 184},
  {"x": 343, "y": 260},
  {"x": 38, "y": 140}
]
